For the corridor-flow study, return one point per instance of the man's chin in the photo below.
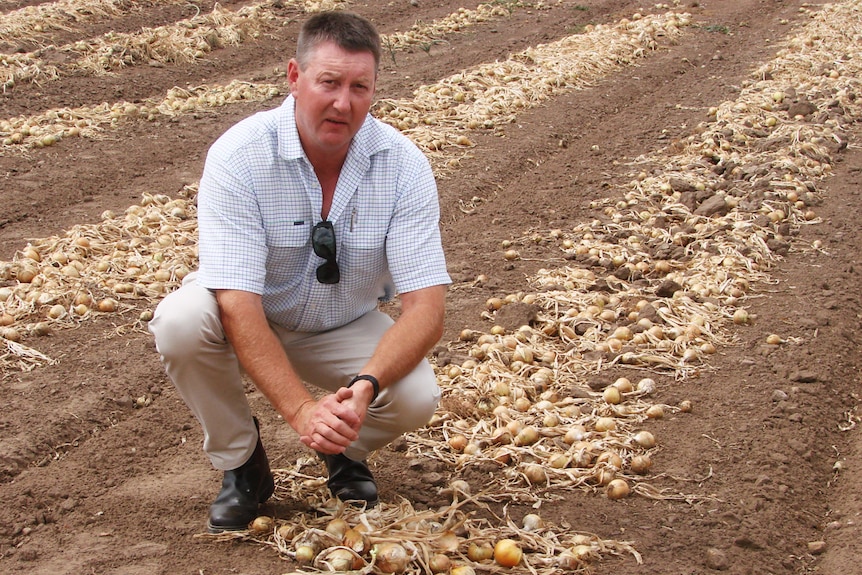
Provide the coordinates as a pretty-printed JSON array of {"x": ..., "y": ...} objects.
[{"x": 336, "y": 138}]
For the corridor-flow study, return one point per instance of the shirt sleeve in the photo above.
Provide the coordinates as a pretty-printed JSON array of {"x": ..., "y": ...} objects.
[
  {"x": 413, "y": 243},
  {"x": 232, "y": 242}
]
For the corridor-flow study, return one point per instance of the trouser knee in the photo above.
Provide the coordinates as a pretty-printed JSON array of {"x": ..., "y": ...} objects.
[
  {"x": 186, "y": 322},
  {"x": 413, "y": 401}
]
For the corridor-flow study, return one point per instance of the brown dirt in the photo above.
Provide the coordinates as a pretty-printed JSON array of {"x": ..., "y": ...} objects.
[{"x": 91, "y": 484}]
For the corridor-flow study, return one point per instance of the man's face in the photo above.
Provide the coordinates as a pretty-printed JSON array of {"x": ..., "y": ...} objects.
[{"x": 333, "y": 95}]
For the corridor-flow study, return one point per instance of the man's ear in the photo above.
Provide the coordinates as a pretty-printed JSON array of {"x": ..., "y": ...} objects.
[{"x": 292, "y": 73}]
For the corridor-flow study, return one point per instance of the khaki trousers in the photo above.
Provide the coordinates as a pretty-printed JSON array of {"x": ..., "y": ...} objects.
[{"x": 205, "y": 370}]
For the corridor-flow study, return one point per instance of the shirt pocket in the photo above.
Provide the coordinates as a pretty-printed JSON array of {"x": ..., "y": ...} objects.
[
  {"x": 364, "y": 258},
  {"x": 288, "y": 251}
]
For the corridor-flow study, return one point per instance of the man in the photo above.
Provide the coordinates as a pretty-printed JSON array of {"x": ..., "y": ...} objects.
[{"x": 309, "y": 215}]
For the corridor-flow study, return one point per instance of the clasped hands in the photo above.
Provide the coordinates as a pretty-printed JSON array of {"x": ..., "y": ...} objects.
[{"x": 331, "y": 423}]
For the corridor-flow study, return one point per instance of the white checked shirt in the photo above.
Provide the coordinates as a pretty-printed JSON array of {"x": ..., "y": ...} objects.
[{"x": 259, "y": 199}]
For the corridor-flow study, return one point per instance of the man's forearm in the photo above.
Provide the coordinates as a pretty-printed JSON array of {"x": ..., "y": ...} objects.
[
  {"x": 408, "y": 341},
  {"x": 261, "y": 355}
]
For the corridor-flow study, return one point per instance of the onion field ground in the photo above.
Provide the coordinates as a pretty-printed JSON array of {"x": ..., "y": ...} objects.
[{"x": 649, "y": 212}]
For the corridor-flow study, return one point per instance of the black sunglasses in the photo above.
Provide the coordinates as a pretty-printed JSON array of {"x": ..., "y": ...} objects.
[{"x": 323, "y": 243}]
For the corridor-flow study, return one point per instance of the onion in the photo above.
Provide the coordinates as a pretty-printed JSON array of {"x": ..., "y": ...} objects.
[
  {"x": 502, "y": 455},
  {"x": 647, "y": 386},
  {"x": 501, "y": 388},
  {"x": 624, "y": 384},
  {"x": 551, "y": 420},
  {"x": 462, "y": 570},
  {"x": 514, "y": 427},
  {"x": 582, "y": 552},
  {"x": 458, "y": 442},
  {"x": 460, "y": 486},
  {"x": 342, "y": 559},
  {"x": 535, "y": 474},
  {"x": 685, "y": 406},
  {"x": 263, "y": 524},
  {"x": 27, "y": 275},
  {"x": 304, "y": 554},
  {"x": 604, "y": 475},
  {"x": 645, "y": 439},
  {"x": 479, "y": 552},
  {"x": 612, "y": 395},
  {"x": 447, "y": 542},
  {"x": 42, "y": 328},
  {"x": 532, "y": 522},
  {"x": 527, "y": 436},
  {"x": 10, "y": 333},
  {"x": 612, "y": 459},
  {"x": 501, "y": 436},
  {"x": 467, "y": 335},
  {"x": 655, "y": 412},
  {"x": 439, "y": 563},
  {"x": 287, "y": 531},
  {"x": 390, "y": 557},
  {"x": 568, "y": 561},
  {"x": 354, "y": 540},
  {"x": 617, "y": 489},
  {"x": 523, "y": 404},
  {"x": 640, "y": 464},
  {"x": 575, "y": 433},
  {"x": 57, "y": 312},
  {"x": 605, "y": 424},
  {"x": 523, "y": 354},
  {"x": 559, "y": 460},
  {"x": 507, "y": 553}
]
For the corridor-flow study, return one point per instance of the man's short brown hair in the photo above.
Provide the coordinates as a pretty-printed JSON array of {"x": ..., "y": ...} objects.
[{"x": 347, "y": 30}]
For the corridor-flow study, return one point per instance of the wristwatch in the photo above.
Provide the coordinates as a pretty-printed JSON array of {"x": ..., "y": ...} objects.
[{"x": 374, "y": 383}]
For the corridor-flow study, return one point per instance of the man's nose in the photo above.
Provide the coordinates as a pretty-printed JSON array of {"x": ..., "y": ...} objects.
[{"x": 342, "y": 99}]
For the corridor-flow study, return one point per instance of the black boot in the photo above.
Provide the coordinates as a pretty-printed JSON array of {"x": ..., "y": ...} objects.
[
  {"x": 242, "y": 490},
  {"x": 350, "y": 480}
]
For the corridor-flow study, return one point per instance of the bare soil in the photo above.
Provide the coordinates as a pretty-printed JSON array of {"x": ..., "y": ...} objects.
[{"x": 92, "y": 483}]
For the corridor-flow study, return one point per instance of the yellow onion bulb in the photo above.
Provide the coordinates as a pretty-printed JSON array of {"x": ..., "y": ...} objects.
[
  {"x": 479, "y": 552},
  {"x": 605, "y": 424},
  {"x": 507, "y": 552},
  {"x": 645, "y": 439},
  {"x": 617, "y": 489},
  {"x": 304, "y": 554},
  {"x": 263, "y": 524},
  {"x": 640, "y": 464},
  {"x": 391, "y": 558},
  {"x": 439, "y": 563},
  {"x": 342, "y": 559}
]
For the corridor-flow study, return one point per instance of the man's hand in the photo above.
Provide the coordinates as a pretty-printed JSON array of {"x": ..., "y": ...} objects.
[{"x": 332, "y": 423}]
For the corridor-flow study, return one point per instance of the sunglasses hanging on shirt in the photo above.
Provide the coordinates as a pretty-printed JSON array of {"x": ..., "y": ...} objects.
[{"x": 323, "y": 244}]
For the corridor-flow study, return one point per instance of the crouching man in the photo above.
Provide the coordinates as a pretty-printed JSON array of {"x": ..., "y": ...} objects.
[{"x": 310, "y": 215}]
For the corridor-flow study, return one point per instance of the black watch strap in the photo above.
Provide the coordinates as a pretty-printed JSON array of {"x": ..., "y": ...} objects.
[{"x": 374, "y": 383}]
